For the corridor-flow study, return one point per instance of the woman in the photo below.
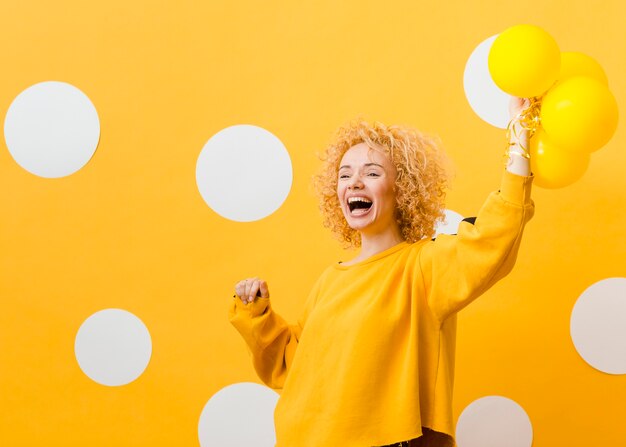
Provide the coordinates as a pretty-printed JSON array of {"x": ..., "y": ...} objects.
[{"x": 371, "y": 360}]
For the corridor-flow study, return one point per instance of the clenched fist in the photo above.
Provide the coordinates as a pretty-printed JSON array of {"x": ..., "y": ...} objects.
[{"x": 247, "y": 289}]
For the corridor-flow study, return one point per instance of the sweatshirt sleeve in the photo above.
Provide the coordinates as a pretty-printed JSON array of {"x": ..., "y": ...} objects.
[
  {"x": 271, "y": 340},
  {"x": 459, "y": 268}
]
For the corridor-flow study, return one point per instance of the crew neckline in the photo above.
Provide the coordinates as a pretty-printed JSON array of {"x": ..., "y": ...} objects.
[{"x": 376, "y": 257}]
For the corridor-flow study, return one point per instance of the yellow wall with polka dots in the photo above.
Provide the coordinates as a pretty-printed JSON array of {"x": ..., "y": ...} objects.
[{"x": 130, "y": 230}]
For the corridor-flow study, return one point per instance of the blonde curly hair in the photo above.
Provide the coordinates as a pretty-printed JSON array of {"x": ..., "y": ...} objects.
[{"x": 422, "y": 173}]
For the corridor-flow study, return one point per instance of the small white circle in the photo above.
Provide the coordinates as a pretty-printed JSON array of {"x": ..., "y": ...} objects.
[
  {"x": 239, "y": 415},
  {"x": 450, "y": 225},
  {"x": 494, "y": 421},
  {"x": 598, "y": 325},
  {"x": 486, "y": 99},
  {"x": 244, "y": 173},
  {"x": 113, "y": 347},
  {"x": 52, "y": 129}
]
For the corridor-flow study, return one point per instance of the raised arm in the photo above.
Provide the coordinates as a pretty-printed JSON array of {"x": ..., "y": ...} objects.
[{"x": 459, "y": 268}]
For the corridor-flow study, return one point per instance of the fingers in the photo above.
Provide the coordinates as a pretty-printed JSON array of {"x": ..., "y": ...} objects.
[
  {"x": 240, "y": 288},
  {"x": 254, "y": 288},
  {"x": 248, "y": 289},
  {"x": 248, "y": 293},
  {"x": 265, "y": 293},
  {"x": 516, "y": 105}
]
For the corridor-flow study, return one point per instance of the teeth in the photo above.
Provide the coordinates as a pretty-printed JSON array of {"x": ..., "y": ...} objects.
[{"x": 358, "y": 199}]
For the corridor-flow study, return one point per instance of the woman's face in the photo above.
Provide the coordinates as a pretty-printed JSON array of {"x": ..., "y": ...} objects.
[{"x": 366, "y": 190}]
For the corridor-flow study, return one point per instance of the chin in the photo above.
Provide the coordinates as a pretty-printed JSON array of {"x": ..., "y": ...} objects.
[{"x": 359, "y": 226}]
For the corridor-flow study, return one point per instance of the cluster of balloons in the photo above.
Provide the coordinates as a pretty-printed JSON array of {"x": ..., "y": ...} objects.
[{"x": 578, "y": 113}]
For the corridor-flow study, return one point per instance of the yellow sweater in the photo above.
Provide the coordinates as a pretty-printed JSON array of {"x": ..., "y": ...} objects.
[{"x": 371, "y": 360}]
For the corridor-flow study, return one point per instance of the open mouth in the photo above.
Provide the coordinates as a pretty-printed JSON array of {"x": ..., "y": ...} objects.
[{"x": 359, "y": 205}]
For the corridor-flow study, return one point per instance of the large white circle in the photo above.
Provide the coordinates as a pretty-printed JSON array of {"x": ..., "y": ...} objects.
[
  {"x": 113, "y": 347},
  {"x": 244, "y": 173},
  {"x": 239, "y": 415},
  {"x": 494, "y": 421},
  {"x": 450, "y": 225},
  {"x": 487, "y": 100},
  {"x": 598, "y": 325},
  {"x": 52, "y": 129}
]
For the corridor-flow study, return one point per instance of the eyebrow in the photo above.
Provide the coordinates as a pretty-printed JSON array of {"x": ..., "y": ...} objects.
[{"x": 367, "y": 165}]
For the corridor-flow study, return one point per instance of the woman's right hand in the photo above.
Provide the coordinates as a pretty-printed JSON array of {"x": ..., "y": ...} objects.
[{"x": 247, "y": 289}]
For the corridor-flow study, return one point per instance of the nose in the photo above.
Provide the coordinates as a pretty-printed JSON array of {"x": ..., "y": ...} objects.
[{"x": 355, "y": 182}]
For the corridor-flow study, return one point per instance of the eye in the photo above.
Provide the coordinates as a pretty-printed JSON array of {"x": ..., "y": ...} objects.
[
  {"x": 373, "y": 174},
  {"x": 344, "y": 176}
]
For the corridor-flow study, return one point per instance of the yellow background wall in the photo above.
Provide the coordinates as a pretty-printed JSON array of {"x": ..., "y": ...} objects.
[{"x": 131, "y": 231}]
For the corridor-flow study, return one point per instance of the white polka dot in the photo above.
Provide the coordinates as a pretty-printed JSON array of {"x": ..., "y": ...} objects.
[
  {"x": 598, "y": 325},
  {"x": 239, "y": 415},
  {"x": 450, "y": 225},
  {"x": 113, "y": 347},
  {"x": 244, "y": 173},
  {"x": 494, "y": 421},
  {"x": 487, "y": 100},
  {"x": 52, "y": 129}
]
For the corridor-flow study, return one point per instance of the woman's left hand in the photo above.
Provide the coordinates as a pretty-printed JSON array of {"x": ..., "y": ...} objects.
[
  {"x": 518, "y": 162},
  {"x": 517, "y": 105}
]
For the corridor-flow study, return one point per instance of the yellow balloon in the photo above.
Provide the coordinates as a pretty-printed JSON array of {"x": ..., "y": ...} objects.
[
  {"x": 552, "y": 166},
  {"x": 579, "y": 114},
  {"x": 579, "y": 64},
  {"x": 524, "y": 61}
]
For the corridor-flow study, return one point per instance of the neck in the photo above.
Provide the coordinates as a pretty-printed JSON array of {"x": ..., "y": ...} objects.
[{"x": 372, "y": 244}]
